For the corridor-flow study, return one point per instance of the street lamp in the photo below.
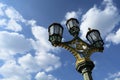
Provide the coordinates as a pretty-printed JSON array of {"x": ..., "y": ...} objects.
[
  {"x": 55, "y": 33},
  {"x": 73, "y": 26},
  {"x": 80, "y": 49}
]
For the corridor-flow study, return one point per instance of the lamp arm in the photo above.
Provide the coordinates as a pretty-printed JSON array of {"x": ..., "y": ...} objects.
[
  {"x": 66, "y": 46},
  {"x": 92, "y": 50},
  {"x": 74, "y": 46}
]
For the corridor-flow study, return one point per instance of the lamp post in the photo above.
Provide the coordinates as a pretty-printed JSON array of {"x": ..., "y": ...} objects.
[{"x": 80, "y": 49}]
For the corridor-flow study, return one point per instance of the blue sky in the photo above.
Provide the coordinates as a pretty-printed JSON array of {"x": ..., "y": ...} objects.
[{"x": 26, "y": 53}]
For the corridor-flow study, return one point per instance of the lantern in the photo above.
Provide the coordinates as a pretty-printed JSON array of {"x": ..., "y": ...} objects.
[
  {"x": 55, "y": 33},
  {"x": 73, "y": 26},
  {"x": 93, "y": 36}
]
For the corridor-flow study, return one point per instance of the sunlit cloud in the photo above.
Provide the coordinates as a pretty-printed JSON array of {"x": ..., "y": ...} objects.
[
  {"x": 11, "y": 71},
  {"x": 72, "y": 14},
  {"x": 44, "y": 76},
  {"x": 39, "y": 62},
  {"x": 14, "y": 43},
  {"x": 11, "y": 13},
  {"x": 104, "y": 20},
  {"x": 113, "y": 76},
  {"x": 114, "y": 37},
  {"x": 10, "y": 18}
]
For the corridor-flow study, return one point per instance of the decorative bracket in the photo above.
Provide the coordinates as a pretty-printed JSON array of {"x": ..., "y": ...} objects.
[{"x": 80, "y": 49}]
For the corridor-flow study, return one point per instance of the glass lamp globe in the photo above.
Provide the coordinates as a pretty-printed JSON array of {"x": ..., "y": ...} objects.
[
  {"x": 93, "y": 36},
  {"x": 55, "y": 33},
  {"x": 73, "y": 26}
]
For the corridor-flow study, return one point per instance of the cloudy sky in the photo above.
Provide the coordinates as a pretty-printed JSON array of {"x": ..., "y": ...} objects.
[{"x": 26, "y": 53}]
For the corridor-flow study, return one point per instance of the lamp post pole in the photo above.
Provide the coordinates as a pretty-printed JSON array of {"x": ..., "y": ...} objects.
[
  {"x": 80, "y": 49},
  {"x": 86, "y": 69}
]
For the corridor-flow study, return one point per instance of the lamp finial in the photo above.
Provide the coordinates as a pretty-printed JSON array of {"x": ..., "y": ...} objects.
[{"x": 89, "y": 29}]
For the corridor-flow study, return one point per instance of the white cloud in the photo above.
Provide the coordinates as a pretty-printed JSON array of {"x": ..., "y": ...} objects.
[
  {"x": 104, "y": 20},
  {"x": 41, "y": 43},
  {"x": 13, "y": 14},
  {"x": 40, "y": 62},
  {"x": 31, "y": 22},
  {"x": 114, "y": 76},
  {"x": 72, "y": 14},
  {"x": 14, "y": 26},
  {"x": 43, "y": 47},
  {"x": 2, "y": 22},
  {"x": 28, "y": 62},
  {"x": 11, "y": 71},
  {"x": 117, "y": 79},
  {"x": 114, "y": 37},
  {"x": 44, "y": 76},
  {"x": 12, "y": 43},
  {"x": 41, "y": 35},
  {"x": 1, "y": 11},
  {"x": 10, "y": 18},
  {"x": 43, "y": 61}
]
